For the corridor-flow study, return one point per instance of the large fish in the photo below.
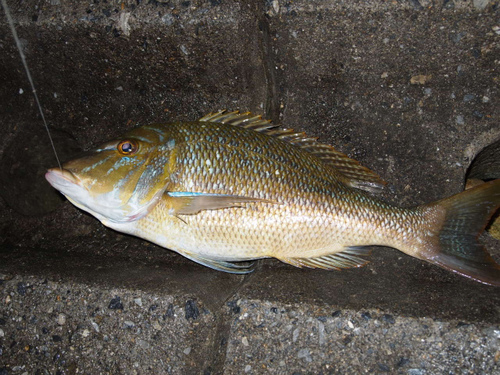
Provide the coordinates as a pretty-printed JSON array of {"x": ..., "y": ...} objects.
[{"x": 230, "y": 188}]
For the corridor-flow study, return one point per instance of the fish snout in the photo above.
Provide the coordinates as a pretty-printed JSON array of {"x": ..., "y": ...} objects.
[{"x": 61, "y": 178}]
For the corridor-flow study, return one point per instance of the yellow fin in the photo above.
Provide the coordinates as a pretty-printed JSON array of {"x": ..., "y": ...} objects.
[
  {"x": 347, "y": 258},
  {"x": 355, "y": 175},
  {"x": 189, "y": 203}
]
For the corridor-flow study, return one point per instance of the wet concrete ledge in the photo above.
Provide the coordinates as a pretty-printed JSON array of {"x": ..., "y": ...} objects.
[{"x": 409, "y": 88}]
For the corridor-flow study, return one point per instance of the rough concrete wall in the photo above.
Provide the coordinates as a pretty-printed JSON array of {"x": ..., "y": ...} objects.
[{"x": 409, "y": 88}]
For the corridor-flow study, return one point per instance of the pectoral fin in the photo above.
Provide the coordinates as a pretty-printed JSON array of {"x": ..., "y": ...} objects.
[{"x": 188, "y": 203}]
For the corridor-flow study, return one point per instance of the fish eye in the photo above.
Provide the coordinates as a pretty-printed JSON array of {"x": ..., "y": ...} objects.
[{"x": 127, "y": 147}]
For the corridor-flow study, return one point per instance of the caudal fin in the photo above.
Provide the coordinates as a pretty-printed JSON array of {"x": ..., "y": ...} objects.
[{"x": 466, "y": 216}]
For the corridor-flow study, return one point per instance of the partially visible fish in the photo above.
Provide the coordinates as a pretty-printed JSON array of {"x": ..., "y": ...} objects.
[{"x": 230, "y": 188}]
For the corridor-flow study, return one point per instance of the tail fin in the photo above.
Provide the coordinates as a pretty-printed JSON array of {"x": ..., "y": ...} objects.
[{"x": 466, "y": 216}]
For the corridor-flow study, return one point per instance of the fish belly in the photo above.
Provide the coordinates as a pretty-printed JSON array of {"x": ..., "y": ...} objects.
[{"x": 261, "y": 230}]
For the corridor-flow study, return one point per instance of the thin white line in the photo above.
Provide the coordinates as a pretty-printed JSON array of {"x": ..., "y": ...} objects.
[{"x": 23, "y": 58}]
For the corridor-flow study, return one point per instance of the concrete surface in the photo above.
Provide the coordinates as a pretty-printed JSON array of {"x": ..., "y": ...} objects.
[
  {"x": 71, "y": 328},
  {"x": 409, "y": 88}
]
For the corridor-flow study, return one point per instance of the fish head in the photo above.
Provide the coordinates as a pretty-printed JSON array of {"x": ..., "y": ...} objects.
[{"x": 119, "y": 181}]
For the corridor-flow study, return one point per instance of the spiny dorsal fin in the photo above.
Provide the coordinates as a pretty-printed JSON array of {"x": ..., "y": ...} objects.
[
  {"x": 244, "y": 120},
  {"x": 355, "y": 174},
  {"x": 348, "y": 258}
]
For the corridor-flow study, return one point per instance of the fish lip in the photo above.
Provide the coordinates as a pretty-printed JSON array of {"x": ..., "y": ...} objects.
[
  {"x": 78, "y": 194},
  {"x": 58, "y": 177}
]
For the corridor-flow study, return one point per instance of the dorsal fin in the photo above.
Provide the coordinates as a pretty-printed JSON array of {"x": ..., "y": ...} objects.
[
  {"x": 244, "y": 120},
  {"x": 355, "y": 174}
]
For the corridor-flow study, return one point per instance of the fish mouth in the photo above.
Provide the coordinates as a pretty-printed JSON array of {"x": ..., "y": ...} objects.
[
  {"x": 106, "y": 207},
  {"x": 72, "y": 188},
  {"x": 62, "y": 179}
]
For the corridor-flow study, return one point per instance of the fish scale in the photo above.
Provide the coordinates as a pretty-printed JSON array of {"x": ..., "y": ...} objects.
[
  {"x": 231, "y": 188},
  {"x": 306, "y": 218}
]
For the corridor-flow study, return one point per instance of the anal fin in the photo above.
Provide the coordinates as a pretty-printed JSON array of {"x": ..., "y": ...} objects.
[{"x": 348, "y": 258}]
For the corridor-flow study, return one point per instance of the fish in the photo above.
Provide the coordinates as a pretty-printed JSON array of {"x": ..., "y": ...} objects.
[{"x": 232, "y": 188}]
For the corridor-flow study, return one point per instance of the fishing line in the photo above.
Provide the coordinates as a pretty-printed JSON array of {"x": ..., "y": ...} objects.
[{"x": 23, "y": 59}]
